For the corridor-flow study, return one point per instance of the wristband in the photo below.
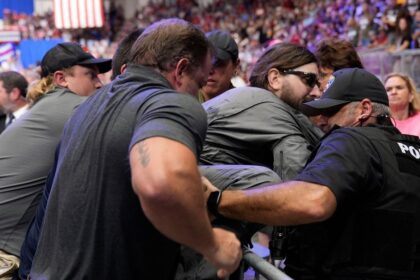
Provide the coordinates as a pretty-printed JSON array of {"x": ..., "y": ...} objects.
[{"x": 213, "y": 203}]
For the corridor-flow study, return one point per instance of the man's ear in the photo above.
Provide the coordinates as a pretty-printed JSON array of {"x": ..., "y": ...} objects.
[
  {"x": 181, "y": 68},
  {"x": 274, "y": 79},
  {"x": 59, "y": 78},
  {"x": 123, "y": 67},
  {"x": 14, "y": 94},
  {"x": 366, "y": 109}
]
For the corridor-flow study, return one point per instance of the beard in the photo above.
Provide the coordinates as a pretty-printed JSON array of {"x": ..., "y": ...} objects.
[{"x": 291, "y": 98}]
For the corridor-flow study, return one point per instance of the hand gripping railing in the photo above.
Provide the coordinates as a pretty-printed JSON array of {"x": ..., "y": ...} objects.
[{"x": 263, "y": 267}]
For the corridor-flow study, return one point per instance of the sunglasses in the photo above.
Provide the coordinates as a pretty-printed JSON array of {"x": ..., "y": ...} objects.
[{"x": 310, "y": 79}]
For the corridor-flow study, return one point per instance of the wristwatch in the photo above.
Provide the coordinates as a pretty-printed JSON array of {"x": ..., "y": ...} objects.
[{"x": 213, "y": 203}]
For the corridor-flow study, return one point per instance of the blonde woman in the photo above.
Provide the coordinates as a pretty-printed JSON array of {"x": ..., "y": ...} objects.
[{"x": 404, "y": 102}]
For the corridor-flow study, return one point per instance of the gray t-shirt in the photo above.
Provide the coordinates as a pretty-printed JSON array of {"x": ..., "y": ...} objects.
[
  {"x": 250, "y": 125},
  {"x": 26, "y": 155},
  {"x": 94, "y": 226}
]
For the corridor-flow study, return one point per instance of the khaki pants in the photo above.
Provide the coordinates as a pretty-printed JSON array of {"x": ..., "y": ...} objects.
[{"x": 9, "y": 264}]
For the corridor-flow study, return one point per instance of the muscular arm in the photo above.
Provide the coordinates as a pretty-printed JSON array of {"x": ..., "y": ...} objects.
[
  {"x": 166, "y": 179},
  {"x": 290, "y": 203}
]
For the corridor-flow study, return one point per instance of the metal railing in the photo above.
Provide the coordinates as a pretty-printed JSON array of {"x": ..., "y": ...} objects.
[
  {"x": 381, "y": 62},
  {"x": 263, "y": 267}
]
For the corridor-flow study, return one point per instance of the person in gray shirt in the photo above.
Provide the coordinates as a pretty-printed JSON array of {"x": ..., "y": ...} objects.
[
  {"x": 261, "y": 124},
  {"x": 256, "y": 135},
  {"x": 27, "y": 147}
]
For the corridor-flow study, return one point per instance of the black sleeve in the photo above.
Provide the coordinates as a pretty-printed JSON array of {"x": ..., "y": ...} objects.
[
  {"x": 175, "y": 116},
  {"x": 346, "y": 163}
]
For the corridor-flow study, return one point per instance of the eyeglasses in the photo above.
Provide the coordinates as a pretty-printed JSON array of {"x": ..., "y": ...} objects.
[{"x": 310, "y": 79}]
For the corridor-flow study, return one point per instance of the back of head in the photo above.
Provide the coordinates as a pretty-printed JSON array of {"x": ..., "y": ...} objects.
[
  {"x": 282, "y": 56},
  {"x": 165, "y": 42},
  {"x": 337, "y": 54},
  {"x": 121, "y": 55},
  {"x": 12, "y": 79}
]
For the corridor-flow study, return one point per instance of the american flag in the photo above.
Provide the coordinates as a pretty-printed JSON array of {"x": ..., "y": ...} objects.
[
  {"x": 78, "y": 13},
  {"x": 6, "y": 51}
]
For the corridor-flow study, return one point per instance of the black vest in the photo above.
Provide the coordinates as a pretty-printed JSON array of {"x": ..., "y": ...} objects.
[{"x": 375, "y": 237}]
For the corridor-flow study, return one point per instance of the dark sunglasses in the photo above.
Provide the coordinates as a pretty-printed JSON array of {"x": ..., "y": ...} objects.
[{"x": 310, "y": 79}]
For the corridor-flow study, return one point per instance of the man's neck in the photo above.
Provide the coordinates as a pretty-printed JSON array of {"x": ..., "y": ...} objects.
[{"x": 20, "y": 111}]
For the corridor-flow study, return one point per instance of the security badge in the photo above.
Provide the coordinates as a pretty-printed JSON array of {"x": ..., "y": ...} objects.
[
  {"x": 330, "y": 82},
  {"x": 408, "y": 155}
]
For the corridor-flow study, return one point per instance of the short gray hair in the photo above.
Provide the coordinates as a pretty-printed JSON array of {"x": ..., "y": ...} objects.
[{"x": 380, "y": 109}]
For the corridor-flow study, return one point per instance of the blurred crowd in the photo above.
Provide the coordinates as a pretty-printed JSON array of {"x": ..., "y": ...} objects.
[{"x": 393, "y": 25}]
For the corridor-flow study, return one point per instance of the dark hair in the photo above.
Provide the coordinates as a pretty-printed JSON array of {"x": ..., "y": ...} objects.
[
  {"x": 12, "y": 79},
  {"x": 337, "y": 54},
  {"x": 165, "y": 42},
  {"x": 406, "y": 16},
  {"x": 121, "y": 55},
  {"x": 280, "y": 56}
]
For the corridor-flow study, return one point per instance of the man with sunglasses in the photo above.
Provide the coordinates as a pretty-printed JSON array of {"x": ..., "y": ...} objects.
[
  {"x": 261, "y": 124},
  {"x": 258, "y": 125},
  {"x": 356, "y": 201}
]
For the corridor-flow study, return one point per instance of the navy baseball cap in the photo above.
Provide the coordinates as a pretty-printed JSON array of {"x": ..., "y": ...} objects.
[
  {"x": 225, "y": 45},
  {"x": 345, "y": 86},
  {"x": 65, "y": 55}
]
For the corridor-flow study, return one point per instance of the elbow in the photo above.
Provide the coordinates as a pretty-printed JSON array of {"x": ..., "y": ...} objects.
[
  {"x": 152, "y": 191},
  {"x": 323, "y": 205}
]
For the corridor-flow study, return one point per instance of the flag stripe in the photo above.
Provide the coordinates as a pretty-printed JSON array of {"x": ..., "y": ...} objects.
[
  {"x": 6, "y": 51},
  {"x": 78, "y": 13},
  {"x": 83, "y": 14}
]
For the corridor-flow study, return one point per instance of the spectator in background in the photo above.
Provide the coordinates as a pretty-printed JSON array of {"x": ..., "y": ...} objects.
[
  {"x": 225, "y": 65},
  {"x": 13, "y": 88},
  {"x": 404, "y": 39},
  {"x": 120, "y": 58},
  {"x": 333, "y": 55},
  {"x": 27, "y": 147},
  {"x": 404, "y": 102},
  {"x": 416, "y": 27}
]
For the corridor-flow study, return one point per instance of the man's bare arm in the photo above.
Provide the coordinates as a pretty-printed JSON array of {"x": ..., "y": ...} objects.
[
  {"x": 289, "y": 203},
  {"x": 167, "y": 181}
]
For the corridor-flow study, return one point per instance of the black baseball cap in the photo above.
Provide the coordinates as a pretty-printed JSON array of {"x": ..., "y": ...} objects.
[
  {"x": 225, "y": 45},
  {"x": 65, "y": 55},
  {"x": 347, "y": 85}
]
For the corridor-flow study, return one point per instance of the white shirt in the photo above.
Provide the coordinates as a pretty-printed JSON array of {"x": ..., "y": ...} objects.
[{"x": 19, "y": 112}]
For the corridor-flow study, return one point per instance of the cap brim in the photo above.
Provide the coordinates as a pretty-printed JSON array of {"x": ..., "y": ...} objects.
[
  {"x": 320, "y": 106},
  {"x": 103, "y": 64}
]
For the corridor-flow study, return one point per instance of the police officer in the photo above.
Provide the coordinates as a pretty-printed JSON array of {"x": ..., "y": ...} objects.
[{"x": 356, "y": 202}]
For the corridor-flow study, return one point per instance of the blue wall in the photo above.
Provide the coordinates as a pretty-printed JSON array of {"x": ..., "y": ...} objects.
[
  {"x": 21, "y": 6},
  {"x": 32, "y": 51}
]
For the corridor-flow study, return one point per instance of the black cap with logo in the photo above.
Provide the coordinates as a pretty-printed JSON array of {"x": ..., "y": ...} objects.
[
  {"x": 225, "y": 45},
  {"x": 347, "y": 85},
  {"x": 65, "y": 55}
]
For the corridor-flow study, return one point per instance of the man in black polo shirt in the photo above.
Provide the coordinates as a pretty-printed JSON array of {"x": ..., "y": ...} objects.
[{"x": 356, "y": 202}]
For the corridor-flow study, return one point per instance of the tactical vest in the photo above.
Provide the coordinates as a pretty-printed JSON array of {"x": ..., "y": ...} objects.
[{"x": 377, "y": 237}]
